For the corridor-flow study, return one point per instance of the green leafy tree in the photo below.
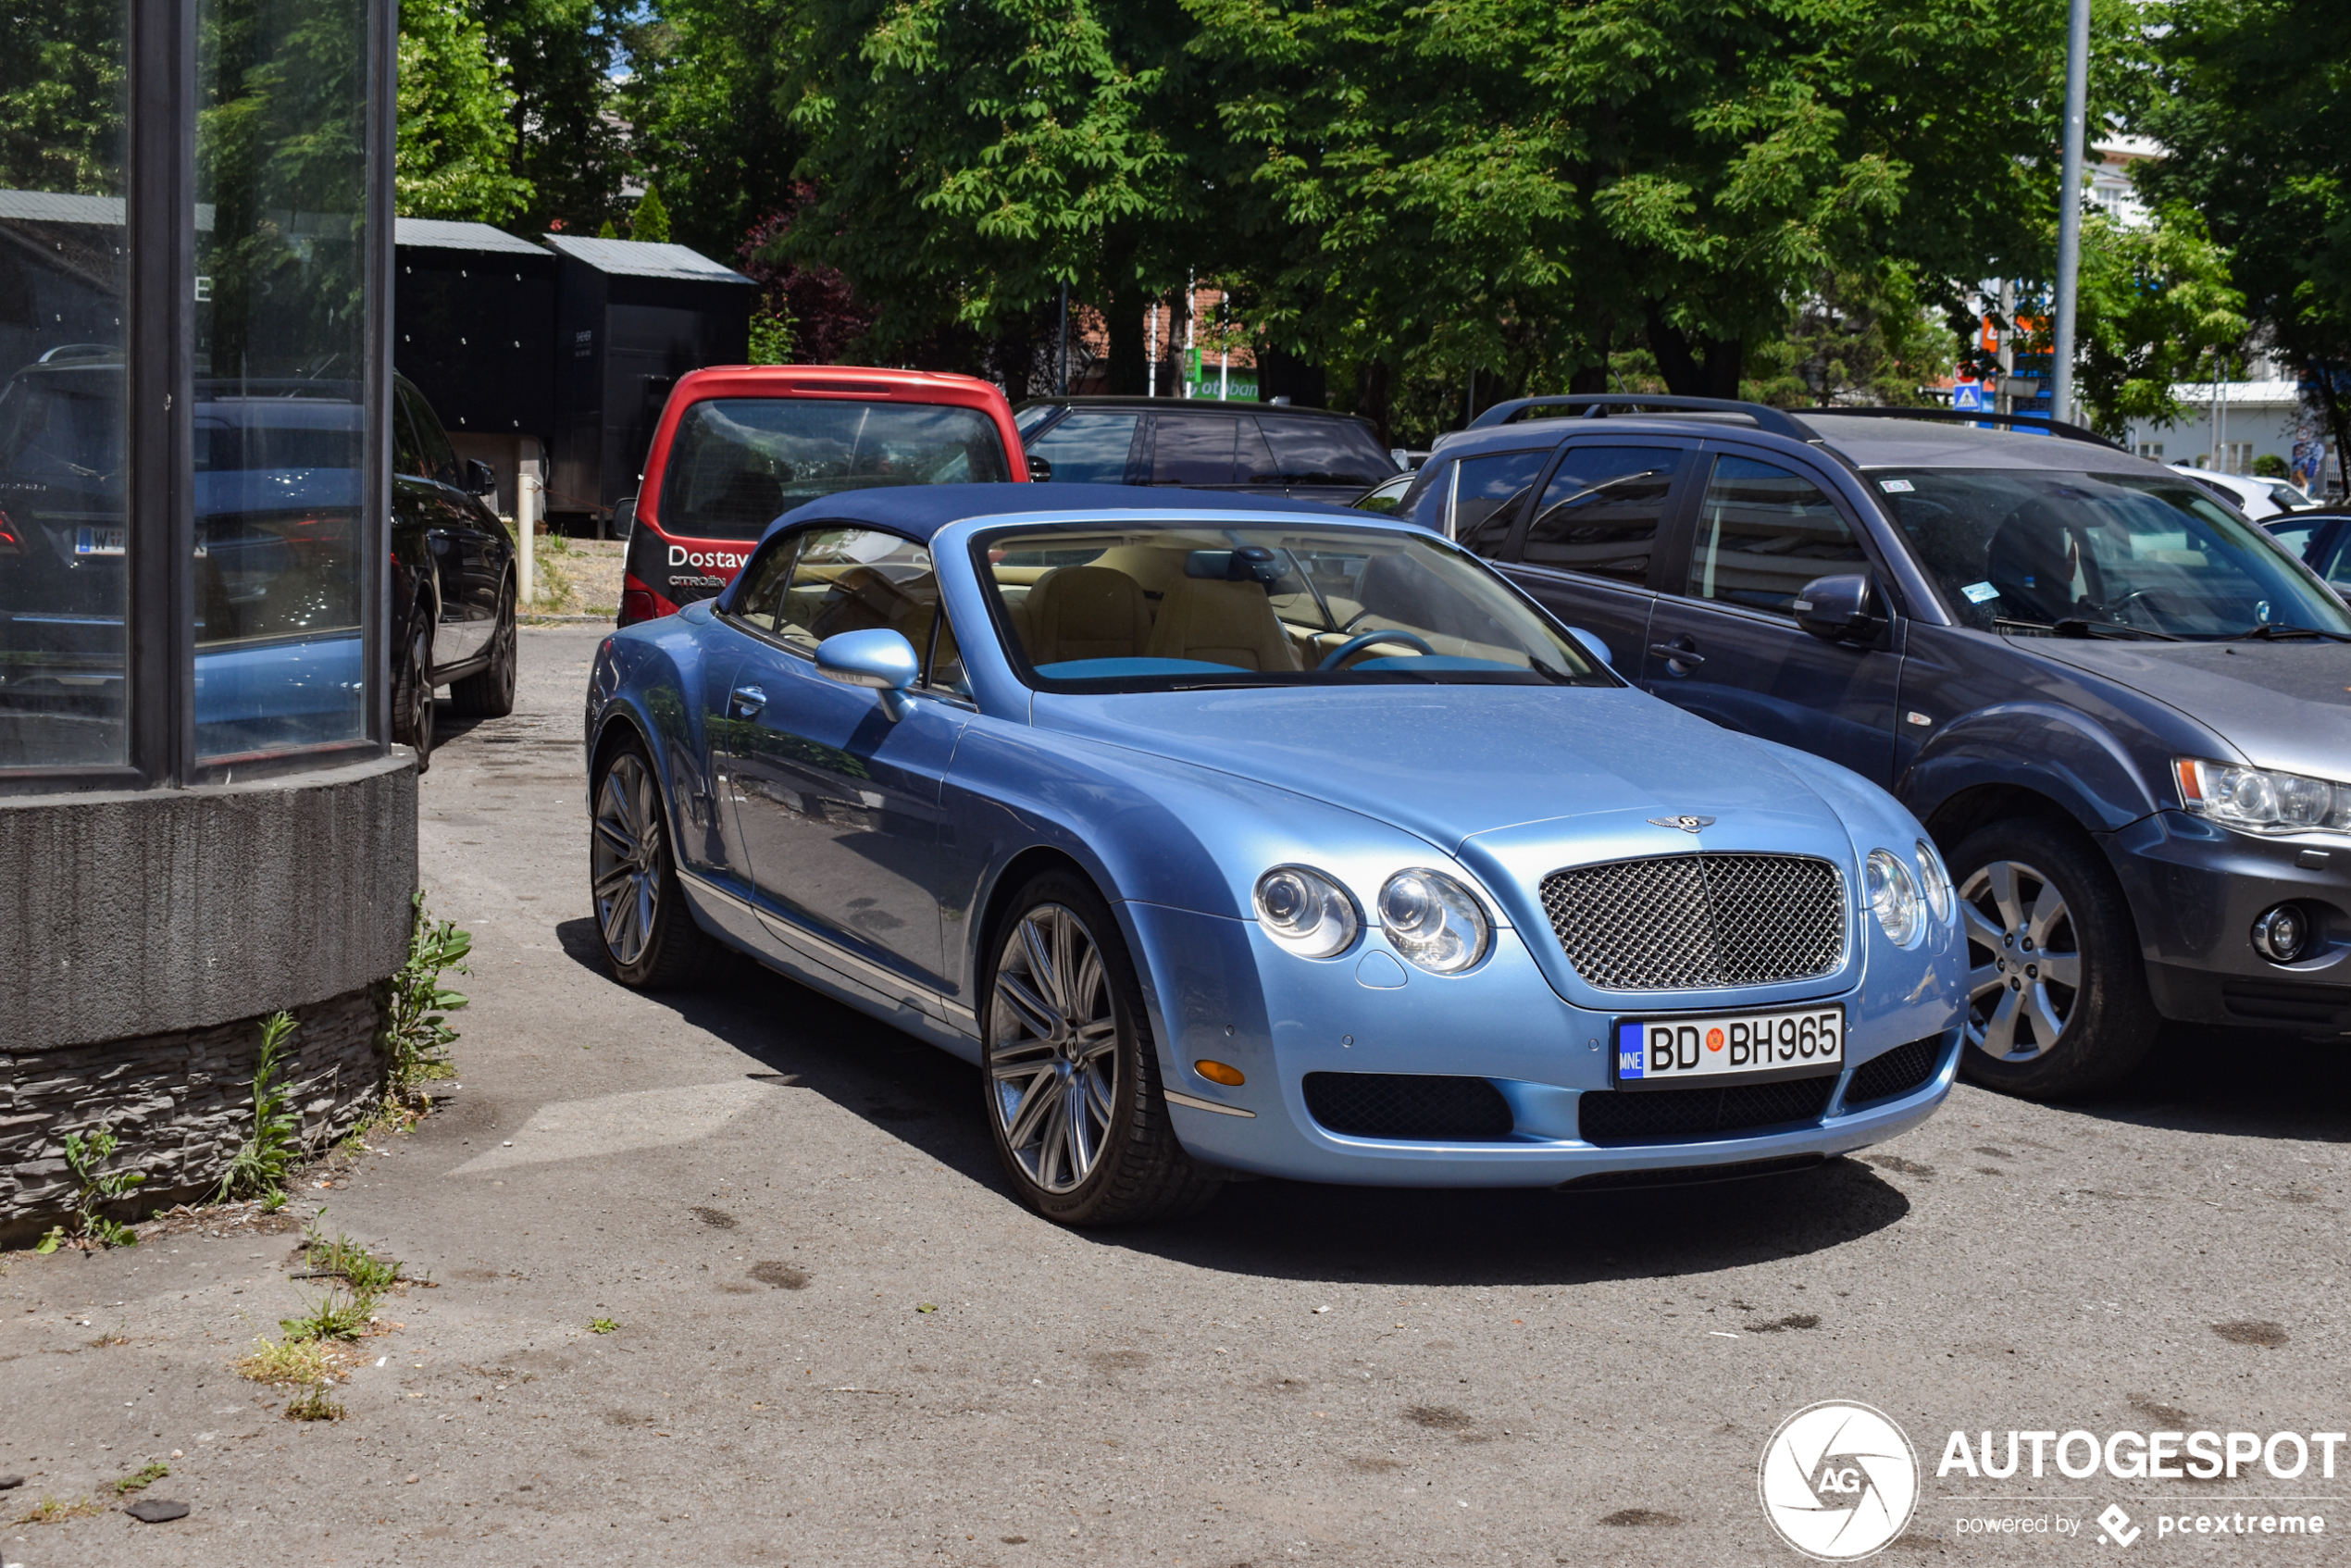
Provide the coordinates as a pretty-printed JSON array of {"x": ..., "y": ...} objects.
[
  {"x": 2252, "y": 100},
  {"x": 707, "y": 98},
  {"x": 456, "y": 147},
  {"x": 62, "y": 93},
  {"x": 2156, "y": 303},
  {"x": 650, "y": 221},
  {"x": 1864, "y": 336},
  {"x": 1525, "y": 186},
  {"x": 971, "y": 156},
  {"x": 560, "y": 56}
]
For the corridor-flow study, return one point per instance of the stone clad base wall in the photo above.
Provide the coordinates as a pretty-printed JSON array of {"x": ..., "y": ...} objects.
[{"x": 180, "y": 1102}]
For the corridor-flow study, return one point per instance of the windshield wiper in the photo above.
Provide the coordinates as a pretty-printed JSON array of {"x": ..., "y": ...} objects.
[
  {"x": 2074, "y": 625},
  {"x": 2270, "y": 631}
]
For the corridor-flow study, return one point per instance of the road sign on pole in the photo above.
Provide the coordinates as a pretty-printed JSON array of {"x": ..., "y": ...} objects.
[{"x": 1967, "y": 397}]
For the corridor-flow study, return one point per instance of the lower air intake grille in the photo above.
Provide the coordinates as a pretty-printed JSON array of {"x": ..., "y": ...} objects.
[
  {"x": 1420, "y": 1107},
  {"x": 1659, "y": 1115},
  {"x": 1696, "y": 922},
  {"x": 1898, "y": 1071}
]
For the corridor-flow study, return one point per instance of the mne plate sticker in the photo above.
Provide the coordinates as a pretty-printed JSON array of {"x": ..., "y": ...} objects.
[{"x": 1727, "y": 1048}]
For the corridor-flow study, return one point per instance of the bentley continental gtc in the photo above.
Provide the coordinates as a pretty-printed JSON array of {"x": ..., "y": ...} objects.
[{"x": 1230, "y": 836}]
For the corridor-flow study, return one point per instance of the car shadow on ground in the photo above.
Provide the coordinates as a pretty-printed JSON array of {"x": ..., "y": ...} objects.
[
  {"x": 2236, "y": 1083},
  {"x": 1286, "y": 1230}
]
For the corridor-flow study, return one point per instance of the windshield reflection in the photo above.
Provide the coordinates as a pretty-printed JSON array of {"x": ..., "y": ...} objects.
[{"x": 2037, "y": 552}]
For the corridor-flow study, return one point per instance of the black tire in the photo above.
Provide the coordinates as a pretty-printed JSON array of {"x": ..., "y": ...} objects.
[
  {"x": 489, "y": 693},
  {"x": 649, "y": 938},
  {"x": 412, "y": 704},
  {"x": 2105, "y": 1019},
  {"x": 1138, "y": 1170}
]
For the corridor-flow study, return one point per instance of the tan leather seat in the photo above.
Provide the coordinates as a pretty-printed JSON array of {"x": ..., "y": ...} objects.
[
  {"x": 1225, "y": 623},
  {"x": 1087, "y": 613}
]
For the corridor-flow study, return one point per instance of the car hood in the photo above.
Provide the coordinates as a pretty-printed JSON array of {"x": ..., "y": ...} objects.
[
  {"x": 2258, "y": 696},
  {"x": 1450, "y": 762}
]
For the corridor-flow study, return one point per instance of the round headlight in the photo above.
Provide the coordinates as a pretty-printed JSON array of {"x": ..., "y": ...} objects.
[
  {"x": 1893, "y": 897},
  {"x": 1306, "y": 912},
  {"x": 1434, "y": 921},
  {"x": 1935, "y": 879}
]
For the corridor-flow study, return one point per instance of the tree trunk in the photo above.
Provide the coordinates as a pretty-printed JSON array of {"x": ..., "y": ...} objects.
[
  {"x": 1695, "y": 364},
  {"x": 1591, "y": 379},
  {"x": 1122, "y": 317}
]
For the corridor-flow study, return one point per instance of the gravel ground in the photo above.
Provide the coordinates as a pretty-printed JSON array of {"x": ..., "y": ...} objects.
[{"x": 837, "y": 1339}]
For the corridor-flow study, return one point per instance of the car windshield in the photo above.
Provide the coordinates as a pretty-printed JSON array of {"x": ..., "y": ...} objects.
[
  {"x": 737, "y": 464},
  {"x": 1206, "y": 605},
  {"x": 2042, "y": 553}
]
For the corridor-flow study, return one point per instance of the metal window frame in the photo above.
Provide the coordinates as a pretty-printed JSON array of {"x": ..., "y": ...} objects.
[{"x": 159, "y": 425}]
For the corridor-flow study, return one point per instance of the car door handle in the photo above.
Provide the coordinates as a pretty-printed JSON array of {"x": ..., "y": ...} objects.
[
  {"x": 747, "y": 700},
  {"x": 1676, "y": 653}
]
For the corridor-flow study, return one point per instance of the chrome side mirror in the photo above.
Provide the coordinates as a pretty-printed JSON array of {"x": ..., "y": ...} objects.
[{"x": 881, "y": 659}]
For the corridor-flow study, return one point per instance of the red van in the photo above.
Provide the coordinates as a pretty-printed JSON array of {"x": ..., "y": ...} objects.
[{"x": 740, "y": 445}]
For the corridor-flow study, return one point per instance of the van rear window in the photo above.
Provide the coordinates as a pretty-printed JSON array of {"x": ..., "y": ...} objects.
[{"x": 737, "y": 464}]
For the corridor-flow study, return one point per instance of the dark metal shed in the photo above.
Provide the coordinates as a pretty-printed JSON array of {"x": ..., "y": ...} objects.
[
  {"x": 474, "y": 319},
  {"x": 631, "y": 319}
]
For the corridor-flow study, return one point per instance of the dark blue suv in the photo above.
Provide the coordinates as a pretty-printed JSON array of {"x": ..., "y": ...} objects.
[{"x": 2122, "y": 709}]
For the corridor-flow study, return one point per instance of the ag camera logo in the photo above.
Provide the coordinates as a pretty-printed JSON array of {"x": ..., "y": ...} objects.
[{"x": 1839, "y": 1481}]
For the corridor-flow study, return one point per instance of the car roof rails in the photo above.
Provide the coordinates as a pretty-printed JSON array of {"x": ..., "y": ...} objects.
[
  {"x": 1954, "y": 417},
  {"x": 1595, "y": 406}
]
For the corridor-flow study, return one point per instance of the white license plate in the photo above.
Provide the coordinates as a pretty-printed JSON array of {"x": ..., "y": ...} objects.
[
  {"x": 1799, "y": 1043},
  {"x": 98, "y": 541}
]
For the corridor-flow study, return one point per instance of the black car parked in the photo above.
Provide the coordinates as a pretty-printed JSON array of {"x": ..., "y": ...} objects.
[
  {"x": 2120, "y": 705},
  {"x": 277, "y": 494},
  {"x": 453, "y": 586},
  {"x": 1253, "y": 448}
]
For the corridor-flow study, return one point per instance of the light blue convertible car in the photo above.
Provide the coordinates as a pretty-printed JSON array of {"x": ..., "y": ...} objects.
[{"x": 1230, "y": 836}]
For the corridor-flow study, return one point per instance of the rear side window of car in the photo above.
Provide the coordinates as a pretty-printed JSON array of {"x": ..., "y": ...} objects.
[
  {"x": 826, "y": 581},
  {"x": 1601, "y": 511},
  {"x": 1325, "y": 450},
  {"x": 1193, "y": 448},
  {"x": 1089, "y": 448},
  {"x": 1763, "y": 533},
  {"x": 1485, "y": 491}
]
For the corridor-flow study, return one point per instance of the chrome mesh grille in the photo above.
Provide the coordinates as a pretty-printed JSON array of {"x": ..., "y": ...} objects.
[{"x": 1698, "y": 922}]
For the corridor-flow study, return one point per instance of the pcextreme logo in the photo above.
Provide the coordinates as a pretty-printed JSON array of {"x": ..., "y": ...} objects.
[{"x": 1839, "y": 1481}]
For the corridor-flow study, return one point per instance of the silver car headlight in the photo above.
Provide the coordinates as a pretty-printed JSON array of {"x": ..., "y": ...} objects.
[
  {"x": 2260, "y": 799},
  {"x": 1435, "y": 921},
  {"x": 1935, "y": 879},
  {"x": 1306, "y": 912},
  {"x": 1893, "y": 897}
]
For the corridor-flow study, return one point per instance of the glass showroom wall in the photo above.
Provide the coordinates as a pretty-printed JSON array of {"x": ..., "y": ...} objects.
[
  {"x": 193, "y": 256},
  {"x": 64, "y": 175}
]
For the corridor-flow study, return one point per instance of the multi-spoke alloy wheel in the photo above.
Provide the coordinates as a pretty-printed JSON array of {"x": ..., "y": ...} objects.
[
  {"x": 1070, "y": 1076},
  {"x": 650, "y": 937},
  {"x": 2058, "y": 1000},
  {"x": 1053, "y": 1063},
  {"x": 2024, "y": 963},
  {"x": 628, "y": 859}
]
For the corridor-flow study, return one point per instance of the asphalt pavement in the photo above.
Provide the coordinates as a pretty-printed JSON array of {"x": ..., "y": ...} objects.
[{"x": 835, "y": 1338}]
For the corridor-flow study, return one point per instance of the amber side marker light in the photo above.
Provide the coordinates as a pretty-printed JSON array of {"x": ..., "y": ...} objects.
[{"x": 1218, "y": 1073}]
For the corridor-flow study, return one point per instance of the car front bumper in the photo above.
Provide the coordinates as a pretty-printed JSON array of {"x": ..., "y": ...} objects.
[
  {"x": 2196, "y": 890},
  {"x": 1220, "y": 990}
]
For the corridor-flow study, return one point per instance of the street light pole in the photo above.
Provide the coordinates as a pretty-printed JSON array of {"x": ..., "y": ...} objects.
[
  {"x": 2077, "y": 93},
  {"x": 1061, "y": 367}
]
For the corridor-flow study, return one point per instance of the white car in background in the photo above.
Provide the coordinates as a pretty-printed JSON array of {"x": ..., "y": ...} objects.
[{"x": 2256, "y": 497}]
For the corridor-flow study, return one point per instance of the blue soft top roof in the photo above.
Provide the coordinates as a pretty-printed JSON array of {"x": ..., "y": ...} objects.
[{"x": 920, "y": 510}]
